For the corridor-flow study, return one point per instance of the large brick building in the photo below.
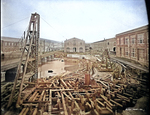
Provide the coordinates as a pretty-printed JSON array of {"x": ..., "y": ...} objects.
[
  {"x": 74, "y": 45},
  {"x": 134, "y": 44}
]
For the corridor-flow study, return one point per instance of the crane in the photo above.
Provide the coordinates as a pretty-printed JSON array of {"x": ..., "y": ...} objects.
[{"x": 29, "y": 60}]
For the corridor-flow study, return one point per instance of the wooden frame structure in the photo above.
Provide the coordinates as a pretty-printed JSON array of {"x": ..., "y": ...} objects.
[{"x": 30, "y": 62}]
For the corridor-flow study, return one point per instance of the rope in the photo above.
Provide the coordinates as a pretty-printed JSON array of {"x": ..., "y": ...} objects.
[
  {"x": 53, "y": 28},
  {"x": 15, "y": 23}
]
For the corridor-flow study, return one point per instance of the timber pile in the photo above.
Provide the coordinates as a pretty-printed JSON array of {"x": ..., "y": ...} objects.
[
  {"x": 6, "y": 91},
  {"x": 75, "y": 93},
  {"x": 66, "y": 95}
]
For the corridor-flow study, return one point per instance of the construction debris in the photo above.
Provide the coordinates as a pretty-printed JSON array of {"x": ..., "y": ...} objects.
[{"x": 78, "y": 93}]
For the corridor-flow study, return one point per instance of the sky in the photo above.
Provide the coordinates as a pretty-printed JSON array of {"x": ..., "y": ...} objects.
[{"x": 89, "y": 20}]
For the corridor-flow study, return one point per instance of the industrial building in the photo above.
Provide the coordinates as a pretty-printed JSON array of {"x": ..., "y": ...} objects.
[{"x": 74, "y": 45}]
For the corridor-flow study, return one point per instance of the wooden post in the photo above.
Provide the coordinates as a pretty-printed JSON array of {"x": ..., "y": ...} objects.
[{"x": 64, "y": 105}]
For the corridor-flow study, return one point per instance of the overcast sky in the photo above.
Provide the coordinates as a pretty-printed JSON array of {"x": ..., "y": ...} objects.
[{"x": 90, "y": 20}]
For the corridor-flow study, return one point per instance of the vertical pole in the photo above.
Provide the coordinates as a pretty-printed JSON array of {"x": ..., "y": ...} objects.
[
  {"x": 37, "y": 43},
  {"x": 18, "y": 70}
]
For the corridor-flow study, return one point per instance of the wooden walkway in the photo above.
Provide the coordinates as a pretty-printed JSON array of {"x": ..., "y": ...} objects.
[{"x": 137, "y": 66}]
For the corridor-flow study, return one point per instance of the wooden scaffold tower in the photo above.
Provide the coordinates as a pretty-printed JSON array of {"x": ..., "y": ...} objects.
[{"x": 29, "y": 61}]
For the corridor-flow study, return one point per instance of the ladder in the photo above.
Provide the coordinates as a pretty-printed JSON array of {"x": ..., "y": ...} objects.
[{"x": 29, "y": 60}]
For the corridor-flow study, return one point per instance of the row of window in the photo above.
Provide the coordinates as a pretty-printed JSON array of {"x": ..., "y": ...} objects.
[
  {"x": 74, "y": 43},
  {"x": 75, "y": 48},
  {"x": 11, "y": 44},
  {"x": 122, "y": 41},
  {"x": 140, "y": 52},
  {"x": 114, "y": 43}
]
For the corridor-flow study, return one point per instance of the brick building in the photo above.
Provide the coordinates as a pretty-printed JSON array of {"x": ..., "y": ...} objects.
[
  {"x": 134, "y": 44},
  {"x": 9, "y": 44},
  {"x": 74, "y": 45}
]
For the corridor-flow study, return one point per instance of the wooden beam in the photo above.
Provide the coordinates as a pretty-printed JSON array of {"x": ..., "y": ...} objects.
[{"x": 64, "y": 105}]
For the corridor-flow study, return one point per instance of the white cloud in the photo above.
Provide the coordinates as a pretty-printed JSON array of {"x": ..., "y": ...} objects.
[{"x": 88, "y": 20}]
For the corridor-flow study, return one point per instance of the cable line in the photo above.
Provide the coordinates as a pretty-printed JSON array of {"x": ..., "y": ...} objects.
[
  {"x": 53, "y": 27},
  {"x": 15, "y": 22}
]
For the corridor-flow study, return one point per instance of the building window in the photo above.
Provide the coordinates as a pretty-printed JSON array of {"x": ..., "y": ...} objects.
[
  {"x": 68, "y": 43},
  {"x": 133, "y": 52},
  {"x": 118, "y": 41},
  {"x": 80, "y": 43},
  {"x": 133, "y": 40},
  {"x": 108, "y": 43},
  {"x": 126, "y": 41},
  {"x": 126, "y": 51},
  {"x": 5, "y": 43},
  {"x": 9, "y": 44},
  {"x": 140, "y": 38},
  {"x": 141, "y": 53},
  {"x": 122, "y": 41}
]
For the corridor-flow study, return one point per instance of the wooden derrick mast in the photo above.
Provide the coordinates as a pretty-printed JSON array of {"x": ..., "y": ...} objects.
[{"x": 29, "y": 59}]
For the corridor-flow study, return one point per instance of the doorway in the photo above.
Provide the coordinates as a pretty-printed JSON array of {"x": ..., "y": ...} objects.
[{"x": 74, "y": 49}]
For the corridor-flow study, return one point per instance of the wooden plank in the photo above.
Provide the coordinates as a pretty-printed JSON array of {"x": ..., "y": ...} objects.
[
  {"x": 74, "y": 101},
  {"x": 23, "y": 110},
  {"x": 42, "y": 95},
  {"x": 63, "y": 90},
  {"x": 50, "y": 102},
  {"x": 100, "y": 102},
  {"x": 106, "y": 100},
  {"x": 32, "y": 90},
  {"x": 64, "y": 105},
  {"x": 62, "y": 81},
  {"x": 31, "y": 98},
  {"x": 26, "y": 111},
  {"x": 35, "y": 111},
  {"x": 116, "y": 103},
  {"x": 34, "y": 98},
  {"x": 67, "y": 95},
  {"x": 36, "y": 101}
]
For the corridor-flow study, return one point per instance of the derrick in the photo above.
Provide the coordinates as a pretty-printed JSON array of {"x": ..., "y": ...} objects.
[{"x": 29, "y": 60}]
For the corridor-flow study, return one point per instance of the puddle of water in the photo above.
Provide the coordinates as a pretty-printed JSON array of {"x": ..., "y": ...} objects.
[{"x": 56, "y": 66}]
